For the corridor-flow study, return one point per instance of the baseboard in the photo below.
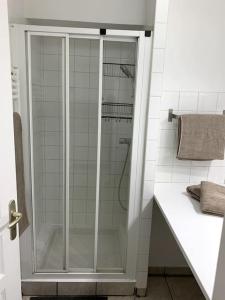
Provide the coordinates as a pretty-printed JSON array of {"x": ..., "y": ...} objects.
[{"x": 169, "y": 271}]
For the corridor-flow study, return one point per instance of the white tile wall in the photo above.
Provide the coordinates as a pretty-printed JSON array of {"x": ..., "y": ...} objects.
[
  {"x": 167, "y": 167},
  {"x": 151, "y": 156}
]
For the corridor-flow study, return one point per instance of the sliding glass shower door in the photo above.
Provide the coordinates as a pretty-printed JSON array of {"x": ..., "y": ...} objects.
[
  {"x": 81, "y": 100},
  {"x": 46, "y": 63},
  {"x": 84, "y": 95},
  {"x": 118, "y": 90}
]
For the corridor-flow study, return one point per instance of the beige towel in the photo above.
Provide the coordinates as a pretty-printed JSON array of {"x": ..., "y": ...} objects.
[
  {"x": 201, "y": 137},
  {"x": 212, "y": 198},
  {"x": 210, "y": 195},
  {"x": 194, "y": 191},
  {"x": 24, "y": 223}
]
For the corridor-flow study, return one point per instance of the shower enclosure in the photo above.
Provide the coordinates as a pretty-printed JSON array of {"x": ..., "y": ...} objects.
[{"x": 85, "y": 116}]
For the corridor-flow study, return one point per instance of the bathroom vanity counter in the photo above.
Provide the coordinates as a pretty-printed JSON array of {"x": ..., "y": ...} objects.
[{"x": 197, "y": 234}]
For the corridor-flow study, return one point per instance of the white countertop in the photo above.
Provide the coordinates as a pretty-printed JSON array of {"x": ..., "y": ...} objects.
[{"x": 197, "y": 234}]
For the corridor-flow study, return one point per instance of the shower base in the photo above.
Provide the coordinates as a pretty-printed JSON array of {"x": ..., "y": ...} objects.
[{"x": 81, "y": 250}]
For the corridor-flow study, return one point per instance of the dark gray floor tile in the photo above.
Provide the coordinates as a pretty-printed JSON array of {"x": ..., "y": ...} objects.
[
  {"x": 157, "y": 289},
  {"x": 184, "y": 288}
]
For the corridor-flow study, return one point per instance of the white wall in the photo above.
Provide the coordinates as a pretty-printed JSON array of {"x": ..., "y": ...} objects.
[
  {"x": 133, "y": 12},
  {"x": 100, "y": 11},
  {"x": 195, "y": 47},
  {"x": 16, "y": 11},
  {"x": 188, "y": 76}
]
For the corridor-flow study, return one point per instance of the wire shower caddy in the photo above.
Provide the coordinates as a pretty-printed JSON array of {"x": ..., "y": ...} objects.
[
  {"x": 119, "y": 70},
  {"x": 117, "y": 111}
]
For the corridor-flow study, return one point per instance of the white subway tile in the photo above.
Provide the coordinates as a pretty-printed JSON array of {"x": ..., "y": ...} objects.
[
  {"x": 51, "y": 62},
  {"x": 166, "y": 156},
  {"x": 82, "y": 64},
  {"x": 158, "y": 60},
  {"x": 153, "y": 129},
  {"x": 161, "y": 14},
  {"x": 207, "y": 102},
  {"x": 82, "y": 47},
  {"x": 160, "y": 36},
  {"x": 198, "y": 174},
  {"x": 170, "y": 100},
  {"x": 154, "y": 107},
  {"x": 149, "y": 170},
  {"x": 148, "y": 189},
  {"x": 78, "y": 206},
  {"x": 221, "y": 102},
  {"x": 156, "y": 84},
  {"x": 188, "y": 101},
  {"x": 181, "y": 174},
  {"x": 163, "y": 174},
  {"x": 217, "y": 175},
  {"x": 51, "y": 78},
  {"x": 151, "y": 150},
  {"x": 167, "y": 138}
]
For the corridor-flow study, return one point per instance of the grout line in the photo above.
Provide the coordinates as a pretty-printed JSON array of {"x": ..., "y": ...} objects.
[{"x": 171, "y": 295}]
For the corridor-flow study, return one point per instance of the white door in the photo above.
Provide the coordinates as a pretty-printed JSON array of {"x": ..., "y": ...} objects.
[{"x": 10, "y": 286}]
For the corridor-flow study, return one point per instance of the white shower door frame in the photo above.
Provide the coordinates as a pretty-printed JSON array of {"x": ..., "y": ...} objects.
[{"x": 138, "y": 143}]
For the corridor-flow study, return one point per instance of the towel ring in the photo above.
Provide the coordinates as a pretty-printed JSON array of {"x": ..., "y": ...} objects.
[{"x": 172, "y": 116}]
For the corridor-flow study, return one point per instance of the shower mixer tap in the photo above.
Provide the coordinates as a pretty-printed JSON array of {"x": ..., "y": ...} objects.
[{"x": 124, "y": 141}]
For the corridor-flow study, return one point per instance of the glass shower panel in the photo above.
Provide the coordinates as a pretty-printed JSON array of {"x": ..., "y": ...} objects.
[
  {"x": 84, "y": 86},
  {"x": 46, "y": 114},
  {"x": 119, "y": 59}
]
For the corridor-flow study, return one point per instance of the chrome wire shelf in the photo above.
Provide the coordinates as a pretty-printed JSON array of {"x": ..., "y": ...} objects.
[
  {"x": 117, "y": 111},
  {"x": 119, "y": 70}
]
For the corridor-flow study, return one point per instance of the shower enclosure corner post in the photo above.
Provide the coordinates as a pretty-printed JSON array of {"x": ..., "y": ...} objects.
[
  {"x": 136, "y": 177},
  {"x": 98, "y": 152}
]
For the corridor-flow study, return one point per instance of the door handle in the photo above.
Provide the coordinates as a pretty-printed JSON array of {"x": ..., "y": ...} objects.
[
  {"x": 18, "y": 216},
  {"x": 14, "y": 218}
]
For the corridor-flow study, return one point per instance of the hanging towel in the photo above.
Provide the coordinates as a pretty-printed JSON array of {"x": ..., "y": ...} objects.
[
  {"x": 212, "y": 198},
  {"x": 201, "y": 137},
  {"x": 24, "y": 223},
  {"x": 194, "y": 191}
]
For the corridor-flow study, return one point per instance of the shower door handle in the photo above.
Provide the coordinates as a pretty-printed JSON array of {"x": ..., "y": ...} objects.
[{"x": 14, "y": 218}]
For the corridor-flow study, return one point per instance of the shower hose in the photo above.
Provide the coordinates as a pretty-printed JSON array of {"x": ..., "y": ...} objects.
[{"x": 121, "y": 178}]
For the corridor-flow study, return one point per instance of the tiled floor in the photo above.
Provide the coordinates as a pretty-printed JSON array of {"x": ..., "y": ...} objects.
[
  {"x": 167, "y": 288},
  {"x": 173, "y": 288}
]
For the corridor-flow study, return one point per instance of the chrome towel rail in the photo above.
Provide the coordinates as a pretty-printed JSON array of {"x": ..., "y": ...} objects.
[{"x": 172, "y": 116}]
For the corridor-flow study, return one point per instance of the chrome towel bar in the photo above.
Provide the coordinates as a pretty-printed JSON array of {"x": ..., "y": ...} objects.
[{"x": 172, "y": 116}]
